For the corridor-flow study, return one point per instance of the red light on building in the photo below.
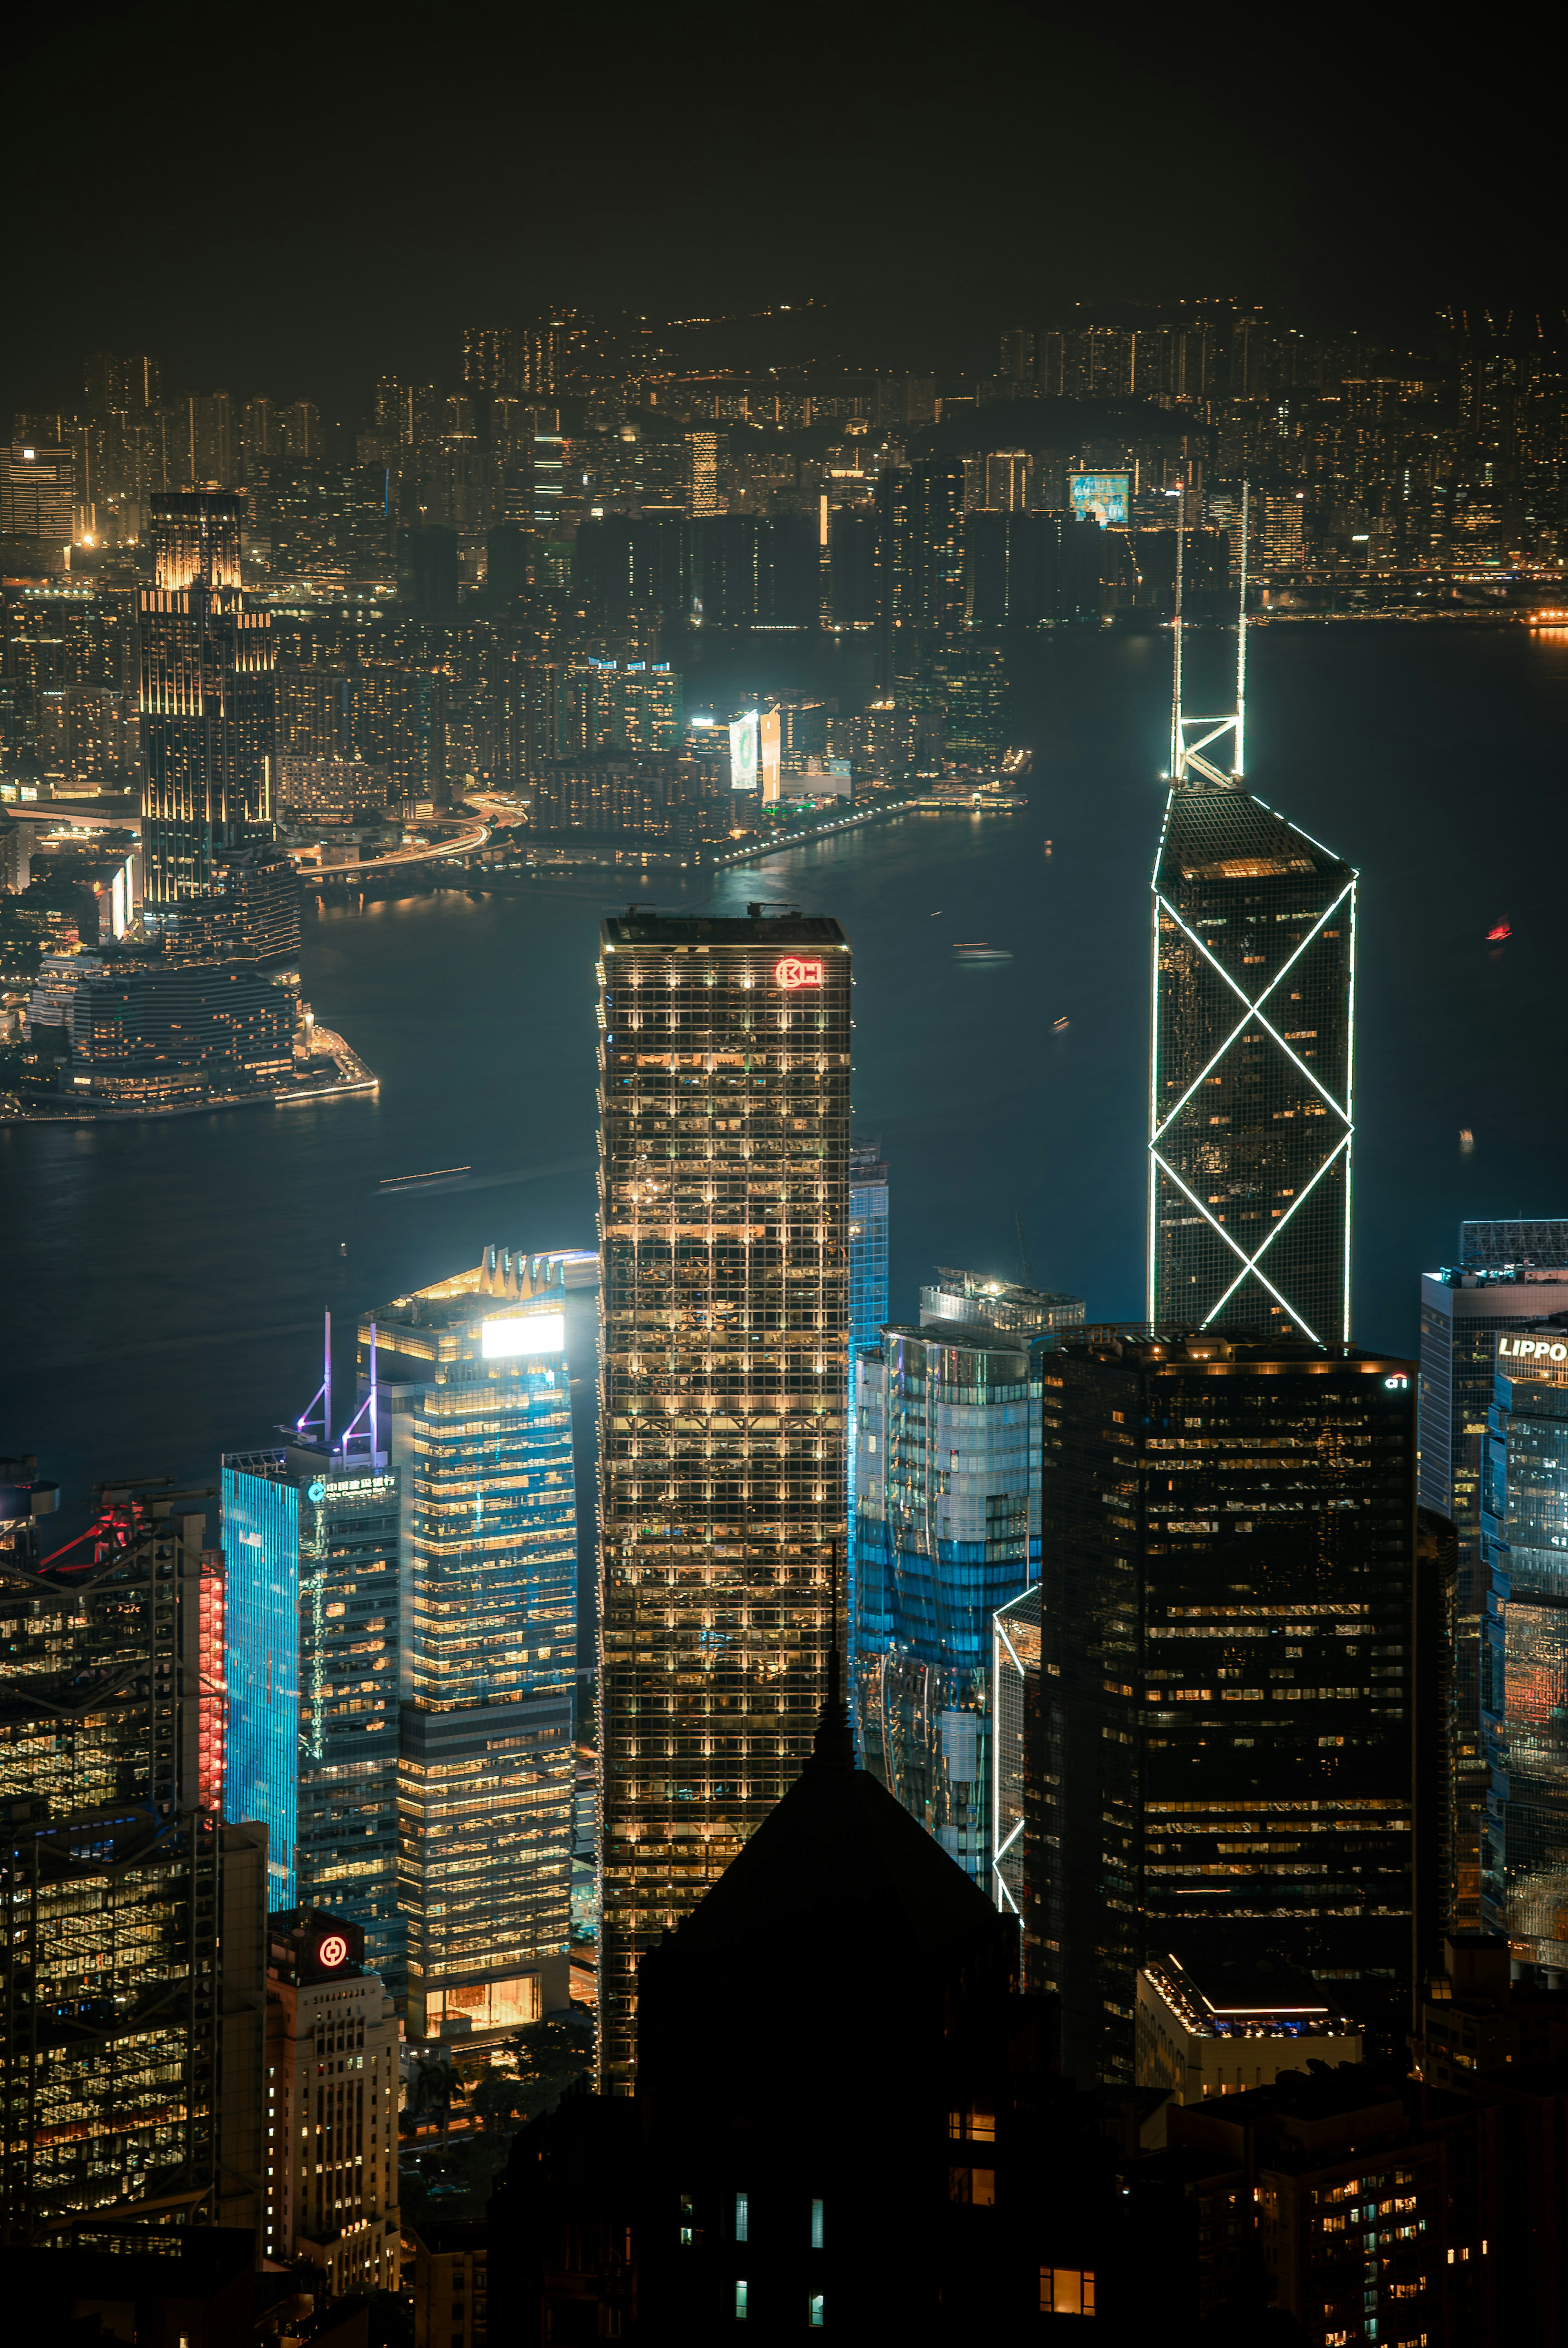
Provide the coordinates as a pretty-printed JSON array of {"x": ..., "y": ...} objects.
[
  {"x": 331, "y": 1952},
  {"x": 792, "y": 972},
  {"x": 1504, "y": 929}
]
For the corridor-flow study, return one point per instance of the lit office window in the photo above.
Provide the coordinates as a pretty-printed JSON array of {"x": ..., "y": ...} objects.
[
  {"x": 816, "y": 2225},
  {"x": 1066, "y": 2291},
  {"x": 815, "y": 2317},
  {"x": 740, "y": 2300},
  {"x": 743, "y": 2218}
]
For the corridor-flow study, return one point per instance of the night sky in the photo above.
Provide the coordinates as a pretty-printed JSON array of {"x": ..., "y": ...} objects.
[{"x": 291, "y": 200}]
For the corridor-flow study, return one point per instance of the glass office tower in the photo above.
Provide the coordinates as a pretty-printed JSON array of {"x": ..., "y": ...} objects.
[
  {"x": 947, "y": 1521},
  {"x": 1251, "y": 1065},
  {"x": 262, "y": 1646},
  {"x": 867, "y": 1248},
  {"x": 724, "y": 1304},
  {"x": 1524, "y": 1546},
  {"x": 1508, "y": 1275},
  {"x": 474, "y": 1409},
  {"x": 1224, "y": 1747}
]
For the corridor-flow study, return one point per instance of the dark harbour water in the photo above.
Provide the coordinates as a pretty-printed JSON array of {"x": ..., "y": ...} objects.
[{"x": 164, "y": 1283}]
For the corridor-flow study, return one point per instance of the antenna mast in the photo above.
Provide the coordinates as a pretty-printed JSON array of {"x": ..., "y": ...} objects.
[
  {"x": 1176, "y": 644},
  {"x": 1188, "y": 763},
  {"x": 1238, "y": 761}
]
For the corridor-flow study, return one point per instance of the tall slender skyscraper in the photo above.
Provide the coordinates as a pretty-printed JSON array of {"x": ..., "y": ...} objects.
[
  {"x": 724, "y": 1205},
  {"x": 207, "y": 713},
  {"x": 1252, "y": 1052}
]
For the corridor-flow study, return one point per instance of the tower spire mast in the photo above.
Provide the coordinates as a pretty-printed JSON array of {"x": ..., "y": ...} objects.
[
  {"x": 1177, "y": 643},
  {"x": 1238, "y": 759}
]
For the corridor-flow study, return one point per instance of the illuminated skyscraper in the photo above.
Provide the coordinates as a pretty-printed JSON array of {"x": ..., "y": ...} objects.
[
  {"x": 261, "y": 1637},
  {"x": 1252, "y": 1052},
  {"x": 1508, "y": 1275},
  {"x": 867, "y": 1248},
  {"x": 207, "y": 713},
  {"x": 946, "y": 1523},
  {"x": 1222, "y": 1751},
  {"x": 474, "y": 1413},
  {"x": 725, "y": 1212},
  {"x": 109, "y": 1873},
  {"x": 1250, "y": 1102},
  {"x": 1524, "y": 1552}
]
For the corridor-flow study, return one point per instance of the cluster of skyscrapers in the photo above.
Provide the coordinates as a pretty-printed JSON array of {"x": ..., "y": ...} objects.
[{"x": 1215, "y": 1647}]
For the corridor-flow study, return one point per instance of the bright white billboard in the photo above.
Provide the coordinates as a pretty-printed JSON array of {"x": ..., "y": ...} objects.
[
  {"x": 745, "y": 752},
  {"x": 527, "y": 1332}
]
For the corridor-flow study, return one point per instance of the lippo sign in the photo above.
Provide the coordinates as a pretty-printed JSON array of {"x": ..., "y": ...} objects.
[
  {"x": 792, "y": 972},
  {"x": 1532, "y": 1349}
]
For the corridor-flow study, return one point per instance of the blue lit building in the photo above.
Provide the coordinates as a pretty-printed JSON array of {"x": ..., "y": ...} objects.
[
  {"x": 945, "y": 1531},
  {"x": 1524, "y": 1657},
  {"x": 867, "y": 1249},
  {"x": 261, "y": 1638},
  {"x": 867, "y": 1268}
]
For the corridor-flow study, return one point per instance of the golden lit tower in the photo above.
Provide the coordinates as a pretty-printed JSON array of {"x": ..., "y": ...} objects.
[
  {"x": 207, "y": 700},
  {"x": 725, "y": 1209}
]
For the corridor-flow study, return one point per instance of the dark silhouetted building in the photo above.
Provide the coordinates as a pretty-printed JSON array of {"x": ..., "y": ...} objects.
[
  {"x": 427, "y": 571},
  {"x": 1223, "y": 1737}
]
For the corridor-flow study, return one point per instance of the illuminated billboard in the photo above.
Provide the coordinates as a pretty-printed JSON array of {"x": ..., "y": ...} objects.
[
  {"x": 770, "y": 731},
  {"x": 745, "y": 752},
  {"x": 530, "y": 1333},
  {"x": 1104, "y": 498}
]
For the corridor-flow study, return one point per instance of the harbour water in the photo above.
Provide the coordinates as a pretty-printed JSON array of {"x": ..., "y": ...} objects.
[{"x": 164, "y": 1283}]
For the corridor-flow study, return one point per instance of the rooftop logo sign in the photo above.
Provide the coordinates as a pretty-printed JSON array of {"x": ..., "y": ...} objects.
[
  {"x": 1532, "y": 1349},
  {"x": 792, "y": 971}
]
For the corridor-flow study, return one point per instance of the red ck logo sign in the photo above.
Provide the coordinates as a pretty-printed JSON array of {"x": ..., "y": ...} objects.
[{"x": 792, "y": 972}]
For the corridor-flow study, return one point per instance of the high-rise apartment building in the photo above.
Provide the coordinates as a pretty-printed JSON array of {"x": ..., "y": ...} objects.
[
  {"x": 1250, "y": 1096},
  {"x": 331, "y": 2090},
  {"x": 38, "y": 495},
  {"x": 1222, "y": 1751},
  {"x": 947, "y": 1470},
  {"x": 474, "y": 1406},
  {"x": 919, "y": 584},
  {"x": 207, "y": 703},
  {"x": 724, "y": 1302},
  {"x": 1524, "y": 1556},
  {"x": 1509, "y": 1275}
]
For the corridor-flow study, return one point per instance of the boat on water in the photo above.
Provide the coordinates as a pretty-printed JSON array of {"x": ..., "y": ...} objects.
[
  {"x": 1017, "y": 764},
  {"x": 979, "y": 951}
]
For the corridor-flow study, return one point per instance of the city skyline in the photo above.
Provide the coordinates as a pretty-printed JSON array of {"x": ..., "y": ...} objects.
[{"x": 898, "y": 1388}]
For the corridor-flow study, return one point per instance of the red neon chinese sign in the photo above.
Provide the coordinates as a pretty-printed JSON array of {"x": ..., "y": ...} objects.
[{"x": 794, "y": 972}]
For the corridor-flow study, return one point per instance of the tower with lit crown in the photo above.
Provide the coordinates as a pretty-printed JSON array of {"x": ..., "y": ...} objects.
[{"x": 1252, "y": 1051}]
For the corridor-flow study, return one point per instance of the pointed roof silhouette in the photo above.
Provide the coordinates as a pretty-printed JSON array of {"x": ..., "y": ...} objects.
[{"x": 836, "y": 1855}]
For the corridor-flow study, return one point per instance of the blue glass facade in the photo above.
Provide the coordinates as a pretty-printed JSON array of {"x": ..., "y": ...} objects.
[
  {"x": 945, "y": 1531},
  {"x": 1523, "y": 1663},
  {"x": 262, "y": 1635}
]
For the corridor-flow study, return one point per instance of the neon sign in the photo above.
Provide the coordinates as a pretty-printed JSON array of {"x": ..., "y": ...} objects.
[
  {"x": 1532, "y": 1349},
  {"x": 332, "y": 1952},
  {"x": 791, "y": 972}
]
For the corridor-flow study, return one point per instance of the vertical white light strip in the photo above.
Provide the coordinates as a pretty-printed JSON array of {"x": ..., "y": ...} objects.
[
  {"x": 1154, "y": 1082},
  {"x": 1349, "y": 1111}
]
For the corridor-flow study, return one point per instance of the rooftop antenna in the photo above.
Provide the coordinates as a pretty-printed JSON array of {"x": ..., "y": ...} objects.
[
  {"x": 367, "y": 1408},
  {"x": 307, "y": 1420},
  {"x": 1238, "y": 761},
  {"x": 1192, "y": 737}
]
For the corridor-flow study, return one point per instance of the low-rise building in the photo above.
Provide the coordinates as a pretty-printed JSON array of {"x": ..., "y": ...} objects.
[
  {"x": 450, "y": 2285},
  {"x": 331, "y": 2091},
  {"x": 1222, "y": 2036}
]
